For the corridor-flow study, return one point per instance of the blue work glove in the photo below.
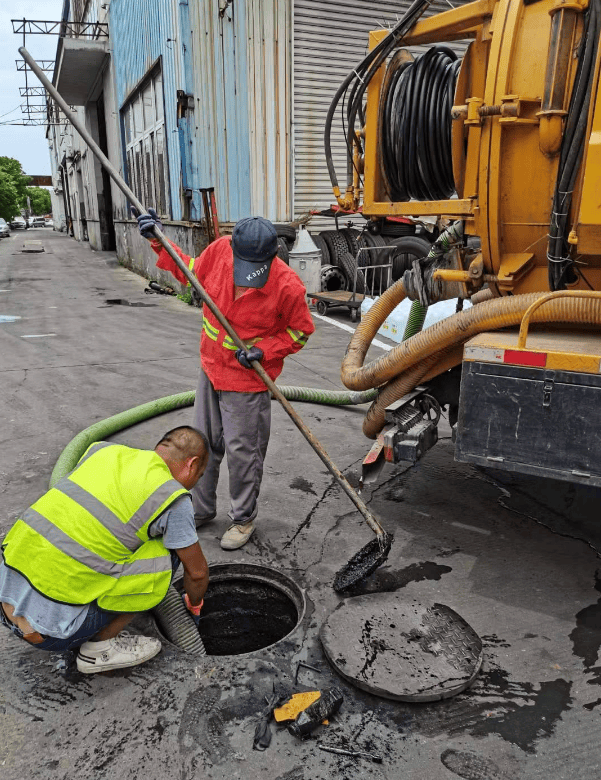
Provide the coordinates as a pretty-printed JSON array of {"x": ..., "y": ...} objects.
[
  {"x": 244, "y": 356},
  {"x": 146, "y": 222}
]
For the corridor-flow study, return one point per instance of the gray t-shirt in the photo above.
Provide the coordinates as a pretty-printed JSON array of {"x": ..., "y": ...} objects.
[{"x": 51, "y": 618}]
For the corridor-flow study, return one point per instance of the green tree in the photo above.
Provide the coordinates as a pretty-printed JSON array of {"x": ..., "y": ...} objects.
[
  {"x": 13, "y": 169},
  {"x": 39, "y": 199},
  {"x": 9, "y": 199}
]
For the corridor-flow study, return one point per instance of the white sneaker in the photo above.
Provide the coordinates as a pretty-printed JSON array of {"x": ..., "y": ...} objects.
[
  {"x": 236, "y": 536},
  {"x": 118, "y": 653}
]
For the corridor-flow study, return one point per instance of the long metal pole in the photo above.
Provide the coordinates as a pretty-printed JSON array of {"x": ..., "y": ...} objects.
[{"x": 206, "y": 298}]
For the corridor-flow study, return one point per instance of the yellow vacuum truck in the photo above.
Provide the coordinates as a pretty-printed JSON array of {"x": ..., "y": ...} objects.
[{"x": 494, "y": 127}]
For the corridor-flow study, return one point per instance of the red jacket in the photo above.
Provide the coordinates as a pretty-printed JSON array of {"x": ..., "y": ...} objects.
[{"x": 275, "y": 317}]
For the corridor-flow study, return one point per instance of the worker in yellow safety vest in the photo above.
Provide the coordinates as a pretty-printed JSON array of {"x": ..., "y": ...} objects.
[{"x": 102, "y": 545}]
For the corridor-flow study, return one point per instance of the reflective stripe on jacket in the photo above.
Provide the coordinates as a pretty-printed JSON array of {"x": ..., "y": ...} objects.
[
  {"x": 87, "y": 538},
  {"x": 275, "y": 317}
]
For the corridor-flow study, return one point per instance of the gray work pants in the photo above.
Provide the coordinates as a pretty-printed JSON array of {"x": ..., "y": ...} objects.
[{"x": 237, "y": 424}]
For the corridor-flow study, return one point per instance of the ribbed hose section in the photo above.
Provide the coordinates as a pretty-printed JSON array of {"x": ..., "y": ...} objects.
[
  {"x": 481, "y": 296},
  {"x": 441, "y": 346},
  {"x": 437, "y": 364},
  {"x": 328, "y": 397},
  {"x": 118, "y": 422},
  {"x": 177, "y": 623},
  {"x": 416, "y": 319},
  {"x": 375, "y": 418},
  {"x": 491, "y": 315},
  {"x": 100, "y": 430},
  {"x": 354, "y": 375}
]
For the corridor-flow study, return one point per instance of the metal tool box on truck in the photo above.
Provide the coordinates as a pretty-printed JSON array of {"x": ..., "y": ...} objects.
[{"x": 533, "y": 410}]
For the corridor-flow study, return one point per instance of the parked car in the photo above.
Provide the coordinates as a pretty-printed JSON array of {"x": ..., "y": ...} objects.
[
  {"x": 49, "y": 222},
  {"x": 38, "y": 222},
  {"x": 4, "y": 229},
  {"x": 18, "y": 223}
]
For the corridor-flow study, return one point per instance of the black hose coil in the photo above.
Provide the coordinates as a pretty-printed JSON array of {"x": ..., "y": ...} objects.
[
  {"x": 415, "y": 125},
  {"x": 562, "y": 269}
]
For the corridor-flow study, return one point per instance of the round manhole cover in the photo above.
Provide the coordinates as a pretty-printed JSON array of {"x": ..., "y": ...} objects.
[{"x": 400, "y": 650}]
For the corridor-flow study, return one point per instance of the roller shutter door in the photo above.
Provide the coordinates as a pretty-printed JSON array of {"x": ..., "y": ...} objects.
[{"x": 329, "y": 39}]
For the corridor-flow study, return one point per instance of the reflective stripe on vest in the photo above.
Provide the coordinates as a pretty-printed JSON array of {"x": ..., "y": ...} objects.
[
  {"x": 211, "y": 332},
  {"x": 298, "y": 336},
  {"x": 229, "y": 344},
  {"x": 191, "y": 268},
  {"x": 87, "y": 538},
  {"x": 78, "y": 552}
]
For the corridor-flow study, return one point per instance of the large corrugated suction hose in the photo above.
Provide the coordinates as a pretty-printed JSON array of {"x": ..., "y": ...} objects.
[
  {"x": 118, "y": 422},
  {"x": 177, "y": 623},
  {"x": 438, "y": 347}
]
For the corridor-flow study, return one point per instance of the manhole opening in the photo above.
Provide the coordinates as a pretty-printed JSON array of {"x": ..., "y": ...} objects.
[{"x": 248, "y": 607}]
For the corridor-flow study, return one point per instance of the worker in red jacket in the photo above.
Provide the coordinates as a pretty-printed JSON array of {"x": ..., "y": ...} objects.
[{"x": 265, "y": 302}]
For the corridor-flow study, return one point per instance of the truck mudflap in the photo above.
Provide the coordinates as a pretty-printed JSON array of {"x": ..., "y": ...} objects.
[{"x": 530, "y": 420}]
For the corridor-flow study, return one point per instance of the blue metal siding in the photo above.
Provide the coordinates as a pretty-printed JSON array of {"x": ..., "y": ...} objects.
[
  {"x": 139, "y": 33},
  {"x": 219, "y": 52}
]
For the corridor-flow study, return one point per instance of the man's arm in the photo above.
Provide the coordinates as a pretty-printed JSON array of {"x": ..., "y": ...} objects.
[
  {"x": 196, "y": 572},
  {"x": 296, "y": 326}
]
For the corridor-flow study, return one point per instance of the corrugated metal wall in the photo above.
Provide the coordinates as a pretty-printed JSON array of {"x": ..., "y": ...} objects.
[
  {"x": 220, "y": 73},
  {"x": 139, "y": 35},
  {"x": 269, "y": 103},
  {"x": 330, "y": 38}
]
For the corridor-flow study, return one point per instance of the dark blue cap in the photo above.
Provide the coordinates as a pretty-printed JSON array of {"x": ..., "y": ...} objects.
[{"x": 254, "y": 244}]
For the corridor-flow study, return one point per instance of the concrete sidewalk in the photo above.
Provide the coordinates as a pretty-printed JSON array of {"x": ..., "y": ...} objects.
[{"x": 471, "y": 539}]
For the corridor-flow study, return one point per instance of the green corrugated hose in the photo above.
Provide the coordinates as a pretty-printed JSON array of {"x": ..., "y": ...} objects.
[
  {"x": 416, "y": 319},
  {"x": 118, "y": 422}
]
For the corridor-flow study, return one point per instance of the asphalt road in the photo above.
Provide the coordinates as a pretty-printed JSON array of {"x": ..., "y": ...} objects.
[{"x": 498, "y": 549}]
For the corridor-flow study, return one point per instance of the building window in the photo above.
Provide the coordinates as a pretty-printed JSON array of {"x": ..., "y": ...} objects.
[{"x": 145, "y": 147}]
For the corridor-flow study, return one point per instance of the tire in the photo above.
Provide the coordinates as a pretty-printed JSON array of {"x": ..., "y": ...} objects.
[
  {"x": 323, "y": 247},
  {"x": 408, "y": 248},
  {"x": 351, "y": 239},
  {"x": 332, "y": 278},
  {"x": 322, "y": 308},
  {"x": 354, "y": 315},
  {"x": 285, "y": 231},
  {"x": 283, "y": 252},
  {"x": 348, "y": 265},
  {"x": 337, "y": 245},
  {"x": 376, "y": 280}
]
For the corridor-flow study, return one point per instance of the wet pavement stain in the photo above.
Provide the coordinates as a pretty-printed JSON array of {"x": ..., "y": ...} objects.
[
  {"x": 300, "y": 483},
  {"x": 124, "y": 302},
  {"x": 521, "y": 713},
  {"x": 586, "y": 637},
  {"x": 592, "y": 704},
  {"x": 528, "y": 723},
  {"x": 383, "y": 581}
]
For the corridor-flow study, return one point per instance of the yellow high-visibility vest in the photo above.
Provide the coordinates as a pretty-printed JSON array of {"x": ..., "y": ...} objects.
[{"x": 87, "y": 539}]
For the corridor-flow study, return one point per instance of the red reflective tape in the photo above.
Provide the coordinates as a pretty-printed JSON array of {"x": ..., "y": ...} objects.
[{"x": 519, "y": 358}]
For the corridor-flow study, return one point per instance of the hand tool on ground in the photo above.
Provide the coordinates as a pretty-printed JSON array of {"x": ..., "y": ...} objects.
[
  {"x": 371, "y": 556},
  {"x": 351, "y": 753}
]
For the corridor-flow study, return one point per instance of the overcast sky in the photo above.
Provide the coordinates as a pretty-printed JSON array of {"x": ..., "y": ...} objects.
[{"x": 26, "y": 144}]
